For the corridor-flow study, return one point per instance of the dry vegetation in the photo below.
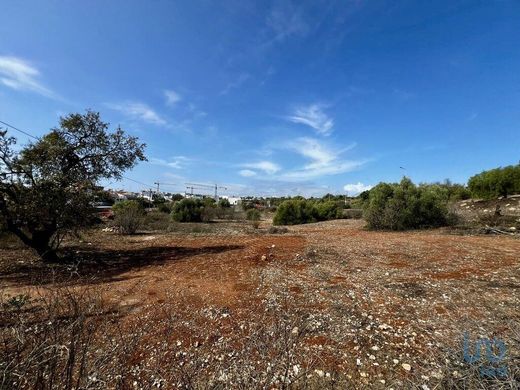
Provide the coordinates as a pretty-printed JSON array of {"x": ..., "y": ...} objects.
[{"x": 225, "y": 305}]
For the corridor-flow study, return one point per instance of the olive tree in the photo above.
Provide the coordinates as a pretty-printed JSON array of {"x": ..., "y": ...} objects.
[{"x": 47, "y": 187}]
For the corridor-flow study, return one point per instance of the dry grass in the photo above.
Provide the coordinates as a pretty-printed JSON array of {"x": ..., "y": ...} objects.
[{"x": 327, "y": 305}]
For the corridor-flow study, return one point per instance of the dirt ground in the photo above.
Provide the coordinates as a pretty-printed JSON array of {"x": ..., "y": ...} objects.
[{"x": 359, "y": 308}]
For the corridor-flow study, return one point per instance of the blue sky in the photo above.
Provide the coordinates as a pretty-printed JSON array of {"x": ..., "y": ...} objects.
[{"x": 275, "y": 98}]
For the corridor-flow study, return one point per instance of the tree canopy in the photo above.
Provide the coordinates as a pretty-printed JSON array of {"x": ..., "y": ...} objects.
[
  {"x": 47, "y": 187},
  {"x": 496, "y": 182}
]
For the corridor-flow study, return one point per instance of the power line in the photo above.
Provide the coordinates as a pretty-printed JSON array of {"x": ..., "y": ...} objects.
[
  {"x": 17, "y": 129},
  {"x": 137, "y": 181},
  {"x": 33, "y": 136}
]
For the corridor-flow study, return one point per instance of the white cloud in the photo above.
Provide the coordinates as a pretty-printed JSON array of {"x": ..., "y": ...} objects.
[
  {"x": 241, "y": 79},
  {"x": 285, "y": 20},
  {"x": 247, "y": 173},
  {"x": 355, "y": 189},
  {"x": 324, "y": 160},
  {"x": 137, "y": 110},
  {"x": 177, "y": 162},
  {"x": 313, "y": 116},
  {"x": 19, "y": 74},
  {"x": 266, "y": 166},
  {"x": 172, "y": 97}
]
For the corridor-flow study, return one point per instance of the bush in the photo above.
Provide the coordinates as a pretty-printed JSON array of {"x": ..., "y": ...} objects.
[
  {"x": 327, "y": 210},
  {"x": 128, "y": 216},
  {"x": 294, "y": 212},
  {"x": 165, "y": 207},
  {"x": 224, "y": 203},
  {"x": 496, "y": 182},
  {"x": 188, "y": 210},
  {"x": 405, "y": 206},
  {"x": 156, "y": 220},
  {"x": 353, "y": 214},
  {"x": 253, "y": 215},
  {"x": 298, "y": 211}
]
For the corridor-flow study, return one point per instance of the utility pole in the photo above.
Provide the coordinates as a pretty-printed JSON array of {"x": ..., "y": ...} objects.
[{"x": 156, "y": 182}]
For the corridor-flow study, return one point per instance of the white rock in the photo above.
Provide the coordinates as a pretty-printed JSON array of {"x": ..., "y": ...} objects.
[{"x": 406, "y": 366}]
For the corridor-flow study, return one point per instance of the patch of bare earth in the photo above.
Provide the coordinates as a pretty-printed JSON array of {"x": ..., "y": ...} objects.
[{"x": 325, "y": 305}]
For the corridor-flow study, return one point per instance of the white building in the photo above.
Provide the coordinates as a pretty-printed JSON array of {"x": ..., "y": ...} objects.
[{"x": 233, "y": 200}]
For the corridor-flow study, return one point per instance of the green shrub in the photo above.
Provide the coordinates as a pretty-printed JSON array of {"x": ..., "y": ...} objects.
[
  {"x": 405, "y": 206},
  {"x": 128, "y": 216},
  {"x": 156, "y": 220},
  {"x": 209, "y": 202},
  {"x": 188, "y": 210},
  {"x": 165, "y": 207},
  {"x": 253, "y": 215},
  {"x": 295, "y": 212},
  {"x": 126, "y": 204},
  {"x": 496, "y": 182},
  {"x": 327, "y": 210},
  {"x": 353, "y": 213},
  {"x": 224, "y": 203}
]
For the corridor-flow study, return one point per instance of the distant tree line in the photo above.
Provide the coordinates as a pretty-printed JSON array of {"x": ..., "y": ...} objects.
[{"x": 496, "y": 182}]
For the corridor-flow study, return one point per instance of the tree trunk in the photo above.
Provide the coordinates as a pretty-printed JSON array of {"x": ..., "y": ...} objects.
[{"x": 40, "y": 241}]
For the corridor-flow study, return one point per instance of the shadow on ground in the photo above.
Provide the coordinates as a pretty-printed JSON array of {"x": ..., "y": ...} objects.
[{"x": 101, "y": 266}]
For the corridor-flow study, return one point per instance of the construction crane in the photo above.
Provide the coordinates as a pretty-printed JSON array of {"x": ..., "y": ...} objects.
[
  {"x": 215, "y": 187},
  {"x": 164, "y": 184}
]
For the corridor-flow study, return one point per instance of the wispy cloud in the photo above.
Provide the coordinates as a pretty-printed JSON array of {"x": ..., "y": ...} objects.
[
  {"x": 139, "y": 111},
  {"x": 247, "y": 173},
  {"x": 314, "y": 117},
  {"x": 19, "y": 74},
  {"x": 177, "y": 162},
  {"x": 355, "y": 189},
  {"x": 266, "y": 166},
  {"x": 241, "y": 79},
  {"x": 172, "y": 97},
  {"x": 286, "y": 20},
  {"x": 324, "y": 160}
]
